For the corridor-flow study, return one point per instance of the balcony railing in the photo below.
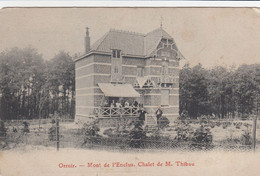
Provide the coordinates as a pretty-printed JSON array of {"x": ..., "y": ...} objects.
[
  {"x": 116, "y": 112},
  {"x": 165, "y": 79}
]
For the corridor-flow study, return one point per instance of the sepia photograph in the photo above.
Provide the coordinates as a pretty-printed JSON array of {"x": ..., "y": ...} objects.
[{"x": 129, "y": 91}]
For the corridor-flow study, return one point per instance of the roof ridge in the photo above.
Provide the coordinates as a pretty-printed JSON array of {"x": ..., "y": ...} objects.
[
  {"x": 160, "y": 28},
  {"x": 99, "y": 41},
  {"x": 153, "y": 31},
  {"x": 128, "y": 32}
]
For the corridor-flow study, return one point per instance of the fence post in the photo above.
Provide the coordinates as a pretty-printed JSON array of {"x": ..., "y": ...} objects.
[
  {"x": 39, "y": 120},
  {"x": 57, "y": 133},
  {"x": 257, "y": 107},
  {"x": 254, "y": 132}
]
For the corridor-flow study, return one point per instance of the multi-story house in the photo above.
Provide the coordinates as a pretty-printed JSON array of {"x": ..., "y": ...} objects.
[{"x": 128, "y": 67}]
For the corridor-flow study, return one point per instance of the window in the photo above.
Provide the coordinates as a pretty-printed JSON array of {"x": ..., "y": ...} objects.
[
  {"x": 170, "y": 41},
  {"x": 116, "y": 66},
  {"x": 140, "y": 71},
  {"x": 164, "y": 40},
  {"x": 165, "y": 98},
  {"x": 116, "y": 53},
  {"x": 165, "y": 66},
  {"x": 165, "y": 54}
]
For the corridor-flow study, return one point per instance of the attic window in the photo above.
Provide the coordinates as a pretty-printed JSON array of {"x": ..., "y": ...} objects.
[
  {"x": 116, "y": 53},
  {"x": 165, "y": 54},
  {"x": 170, "y": 41},
  {"x": 164, "y": 41}
]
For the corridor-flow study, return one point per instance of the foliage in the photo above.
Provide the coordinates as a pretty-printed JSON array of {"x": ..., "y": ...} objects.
[
  {"x": 137, "y": 135},
  {"x": 61, "y": 83},
  {"x": 26, "y": 127},
  {"x": 163, "y": 122},
  {"x": 3, "y": 129},
  {"x": 184, "y": 131},
  {"x": 202, "y": 136},
  {"x": 219, "y": 92},
  {"x": 90, "y": 132},
  {"x": 246, "y": 138},
  {"x": 52, "y": 131},
  {"x": 22, "y": 76},
  {"x": 198, "y": 137},
  {"x": 31, "y": 87},
  {"x": 193, "y": 91},
  {"x": 91, "y": 129}
]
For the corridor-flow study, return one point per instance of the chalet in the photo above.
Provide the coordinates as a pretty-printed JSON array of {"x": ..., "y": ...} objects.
[{"x": 128, "y": 68}]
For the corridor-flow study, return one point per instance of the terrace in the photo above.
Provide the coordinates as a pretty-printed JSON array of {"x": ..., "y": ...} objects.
[{"x": 117, "y": 111}]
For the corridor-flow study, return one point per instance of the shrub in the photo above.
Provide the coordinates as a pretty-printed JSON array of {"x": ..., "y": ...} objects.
[
  {"x": 3, "y": 134},
  {"x": 163, "y": 122},
  {"x": 52, "y": 131},
  {"x": 212, "y": 124},
  {"x": 202, "y": 135},
  {"x": 3, "y": 129},
  {"x": 246, "y": 138},
  {"x": 109, "y": 132},
  {"x": 90, "y": 132},
  {"x": 184, "y": 133},
  {"x": 238, "y": 125},
  {"x": 26, "y": 127},
  {"x": 202, "y": 138},
  {"x": 218, "y": 124},
  {"x": 137, "y": 135}
]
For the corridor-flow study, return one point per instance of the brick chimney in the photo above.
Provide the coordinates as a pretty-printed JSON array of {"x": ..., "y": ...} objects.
[{"x": 87, "y": 41}]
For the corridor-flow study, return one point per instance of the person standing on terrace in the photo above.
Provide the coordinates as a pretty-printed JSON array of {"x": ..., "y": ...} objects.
[{"x": 159, "y": 114}]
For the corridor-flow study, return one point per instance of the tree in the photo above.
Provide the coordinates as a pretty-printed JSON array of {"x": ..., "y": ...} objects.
[
  {"x": 33, "y": 88},
  {"x": 193, "y": 91},
  {"x": 220, "y": 89},
  {"x": 61, "y": 83},
  {"x": 21, "y": 72},
  {"x": 224, "y": 92},
  {"x": 245, "y": 89}
]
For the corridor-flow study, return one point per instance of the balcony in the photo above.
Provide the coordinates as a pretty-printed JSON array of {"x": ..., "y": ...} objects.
[
  {"x": 166, "y": 81},
  {"x": 116, "y": 112}
]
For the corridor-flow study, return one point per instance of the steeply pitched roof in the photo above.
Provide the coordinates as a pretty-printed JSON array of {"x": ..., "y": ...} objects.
[
  {"x": 159, "y": 33},
  {"x": 130, "y": 42},
  {"x": 152, "y": 39}
]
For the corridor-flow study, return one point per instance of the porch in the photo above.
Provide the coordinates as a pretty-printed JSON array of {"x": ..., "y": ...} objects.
[{"x": 116, "y": 112}]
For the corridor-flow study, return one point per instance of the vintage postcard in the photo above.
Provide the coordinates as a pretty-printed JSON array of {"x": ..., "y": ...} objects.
[{"x": 129, "y": 91}]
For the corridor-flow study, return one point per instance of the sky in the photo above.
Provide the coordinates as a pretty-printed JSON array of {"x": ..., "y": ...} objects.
[{"x": 210, "y": 36}]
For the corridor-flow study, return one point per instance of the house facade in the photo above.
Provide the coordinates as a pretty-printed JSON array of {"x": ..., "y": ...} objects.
[{"x": 128, "y": 68}]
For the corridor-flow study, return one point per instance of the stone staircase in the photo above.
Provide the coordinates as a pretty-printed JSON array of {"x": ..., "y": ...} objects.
[{"x": 150, "y": 123}]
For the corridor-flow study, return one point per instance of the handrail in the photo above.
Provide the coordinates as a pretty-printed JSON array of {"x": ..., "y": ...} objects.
[{"x": 117, "y": 111}]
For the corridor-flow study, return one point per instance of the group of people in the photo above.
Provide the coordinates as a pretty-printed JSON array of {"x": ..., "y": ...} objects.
[
  {"x": 120, "y": 104},
  {"x": 134, "y": 104},
  {"x": 142, "y": 114}
]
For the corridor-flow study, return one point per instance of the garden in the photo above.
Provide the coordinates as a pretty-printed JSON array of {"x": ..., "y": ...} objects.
[{"x": 184, "y": 134}]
